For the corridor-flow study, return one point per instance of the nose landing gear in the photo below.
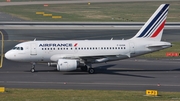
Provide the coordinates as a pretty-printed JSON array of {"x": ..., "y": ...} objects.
[{"x": 33, "y": 67}]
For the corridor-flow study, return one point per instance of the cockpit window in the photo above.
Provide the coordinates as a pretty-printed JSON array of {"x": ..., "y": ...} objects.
[{"x": 17, "y": 48}]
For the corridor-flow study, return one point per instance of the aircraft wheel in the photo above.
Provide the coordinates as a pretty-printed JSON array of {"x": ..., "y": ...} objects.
[
  {"x": 32, "y": 70},
  {"x": 91, "y": 71},
  {"x": 33, "y": 67}
]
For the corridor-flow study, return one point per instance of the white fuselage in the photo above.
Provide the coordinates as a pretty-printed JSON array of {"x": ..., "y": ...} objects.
[{"x": 105, "y": 50}]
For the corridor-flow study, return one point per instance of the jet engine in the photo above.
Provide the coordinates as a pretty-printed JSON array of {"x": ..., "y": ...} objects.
[{"x": 66, "y": 65}]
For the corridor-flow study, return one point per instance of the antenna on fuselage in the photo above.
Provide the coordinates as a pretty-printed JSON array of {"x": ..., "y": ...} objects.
[{"x": 35, "y": 39}]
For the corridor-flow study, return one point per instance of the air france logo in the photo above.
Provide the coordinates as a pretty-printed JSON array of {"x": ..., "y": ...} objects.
[
  {"x": 56, "y": 45},
  {"x": 75, "y": 44}
]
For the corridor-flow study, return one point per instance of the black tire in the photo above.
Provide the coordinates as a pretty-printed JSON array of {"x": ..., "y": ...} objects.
[
  {"x": 91, "y": 71},
  {"x": 32, "y": 70}
]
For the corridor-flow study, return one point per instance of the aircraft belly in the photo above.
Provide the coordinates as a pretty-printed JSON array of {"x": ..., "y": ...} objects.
[{"x": 110, "y": 58}]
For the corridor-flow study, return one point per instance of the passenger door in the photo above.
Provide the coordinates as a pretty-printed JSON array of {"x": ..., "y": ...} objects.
[{"x": 33, "y": 49}]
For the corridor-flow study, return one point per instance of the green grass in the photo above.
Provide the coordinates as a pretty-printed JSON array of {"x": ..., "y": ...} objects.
[
  {"x": 162, "y": 54},
  {"x": 83, "y": 95},
  {"x": 118, "y": 12}
]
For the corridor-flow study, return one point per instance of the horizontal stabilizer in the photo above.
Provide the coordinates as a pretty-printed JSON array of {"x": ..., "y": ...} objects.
[{"x": 157, "y": 45}]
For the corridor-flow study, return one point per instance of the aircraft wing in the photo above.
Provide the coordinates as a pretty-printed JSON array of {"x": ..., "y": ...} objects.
[
  {"x": 87, "y": 58},
  {"x": 103, "y": 58}
]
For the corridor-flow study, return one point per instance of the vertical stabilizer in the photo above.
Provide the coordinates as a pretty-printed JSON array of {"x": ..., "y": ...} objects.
[{"x": 153, "y": 28}]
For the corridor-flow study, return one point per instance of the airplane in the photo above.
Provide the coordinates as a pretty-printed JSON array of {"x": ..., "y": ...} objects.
[{"x": 68, "y": 55}]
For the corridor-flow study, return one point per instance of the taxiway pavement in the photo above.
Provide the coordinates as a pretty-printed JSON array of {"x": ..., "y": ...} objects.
[{"x": 132, "y": 74}]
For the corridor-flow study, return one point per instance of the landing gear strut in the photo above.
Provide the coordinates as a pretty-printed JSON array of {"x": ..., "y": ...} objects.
[
  {"x": 90, "y": 69},
  {"x": 33, "y": 67},
  {"x": 84, "y": 68}
]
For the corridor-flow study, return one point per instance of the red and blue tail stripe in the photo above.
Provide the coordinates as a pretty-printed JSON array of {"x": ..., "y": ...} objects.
[
  {"x": 159, "y": 29},
  {"x": 155, "y": 24}
]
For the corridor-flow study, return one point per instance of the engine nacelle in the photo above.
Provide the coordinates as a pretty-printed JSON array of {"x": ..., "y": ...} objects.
[{"x": 66, "y": 65}]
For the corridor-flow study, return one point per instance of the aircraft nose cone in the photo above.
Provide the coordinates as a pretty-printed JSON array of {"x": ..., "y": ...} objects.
[{"x": 8, "y": 55}]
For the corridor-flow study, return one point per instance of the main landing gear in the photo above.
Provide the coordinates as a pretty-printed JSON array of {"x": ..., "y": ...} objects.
[
  {"x": 84, "y": 68},
  {"x": 88, "y": 68},
  {"x": 33, "y": 67},
  {"x": 91, "y": 71}
]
